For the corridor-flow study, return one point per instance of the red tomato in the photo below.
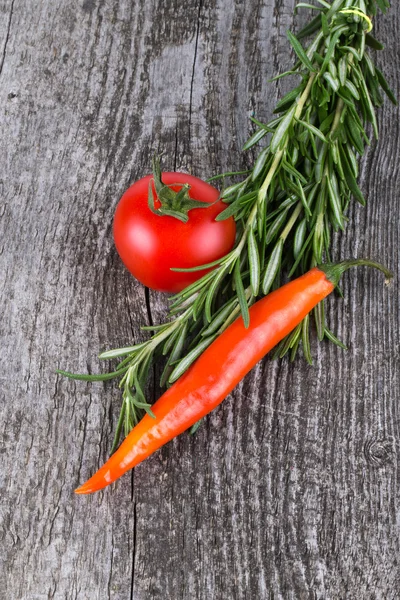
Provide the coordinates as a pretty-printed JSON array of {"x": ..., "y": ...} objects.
[{"x": 150, "y": 244}]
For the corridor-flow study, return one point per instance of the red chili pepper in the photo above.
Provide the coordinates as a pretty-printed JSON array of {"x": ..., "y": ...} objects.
[{"x": 220, "y": 368}]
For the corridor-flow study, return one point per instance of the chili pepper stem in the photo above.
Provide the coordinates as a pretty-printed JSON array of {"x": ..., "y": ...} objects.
[{"x": 333, "y": 272}]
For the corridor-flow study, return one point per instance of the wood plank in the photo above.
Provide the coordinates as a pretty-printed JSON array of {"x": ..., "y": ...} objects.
[{"x": 290, "y": 488}]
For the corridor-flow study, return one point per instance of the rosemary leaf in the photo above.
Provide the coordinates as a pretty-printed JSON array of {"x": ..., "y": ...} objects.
[
  {"x": 241, "y": 294},
  {"x": 254, "y": 263},
  {"x": 272, "y": 267},
  {"x": 185, "y": 363}
]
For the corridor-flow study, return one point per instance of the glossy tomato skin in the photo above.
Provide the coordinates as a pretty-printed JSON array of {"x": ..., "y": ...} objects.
[{"x": 150, "y": 244}]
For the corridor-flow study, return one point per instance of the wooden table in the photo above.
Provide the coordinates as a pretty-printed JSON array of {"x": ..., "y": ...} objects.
[{"x": 290, "y": 489}]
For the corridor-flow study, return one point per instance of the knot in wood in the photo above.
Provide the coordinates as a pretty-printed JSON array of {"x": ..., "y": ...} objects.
[{"x": 378, "y": 453}]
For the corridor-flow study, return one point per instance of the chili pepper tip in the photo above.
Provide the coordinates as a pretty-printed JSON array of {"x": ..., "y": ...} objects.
[{"x": 83, "y": 489}]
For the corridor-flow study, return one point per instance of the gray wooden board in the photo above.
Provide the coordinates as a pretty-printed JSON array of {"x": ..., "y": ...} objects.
[{"x": 290, "y": 488}]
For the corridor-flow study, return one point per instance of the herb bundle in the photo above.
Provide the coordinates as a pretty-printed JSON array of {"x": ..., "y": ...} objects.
[{"x": 286, "y": 208}]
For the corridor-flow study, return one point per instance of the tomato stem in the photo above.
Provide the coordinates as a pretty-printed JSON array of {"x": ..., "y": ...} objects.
[{"x": 172, "y": 203}]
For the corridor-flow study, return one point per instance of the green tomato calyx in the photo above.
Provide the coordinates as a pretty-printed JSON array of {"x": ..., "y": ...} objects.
[{"x": 173, "y": 203}]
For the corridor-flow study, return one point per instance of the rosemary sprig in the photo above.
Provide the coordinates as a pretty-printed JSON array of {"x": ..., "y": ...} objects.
[{"x": 286, "y": 207}]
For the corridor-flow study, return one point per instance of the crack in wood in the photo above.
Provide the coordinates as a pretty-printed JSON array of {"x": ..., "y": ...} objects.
[
  {"x": 134, "y": 550},
  {"x": 196, "y": 44},
  {"x": 7, "y": 37}
]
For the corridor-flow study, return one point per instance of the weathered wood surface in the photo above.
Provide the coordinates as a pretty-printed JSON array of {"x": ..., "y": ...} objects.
[{"x": 290, "y": 489}]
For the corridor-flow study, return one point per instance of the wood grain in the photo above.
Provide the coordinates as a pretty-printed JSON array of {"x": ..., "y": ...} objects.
[{"x": 290, "y": 490}]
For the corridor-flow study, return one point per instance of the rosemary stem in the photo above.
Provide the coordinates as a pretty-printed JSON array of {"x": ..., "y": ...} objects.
[
  {"x": 340, "y": 104},
  {"x": 291, "y": 221},
  {"x": 149, "y": 346},
  {"x": 262, "y": 194},
  {"x": 165, "y": 333},
  {"x": 303, "y": 97},
  {"x": 278, "y": 156},
  {"x": 264, "y": 188},
  {"x": 275, "y": 164},
  {"x": 260, "y": 199}
]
